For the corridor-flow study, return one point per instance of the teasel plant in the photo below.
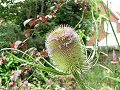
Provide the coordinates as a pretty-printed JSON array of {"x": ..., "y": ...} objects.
[{"x": 67, "y": 51}]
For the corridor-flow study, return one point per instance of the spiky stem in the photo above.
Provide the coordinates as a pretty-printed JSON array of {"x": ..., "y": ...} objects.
[{"x": 79, "y": 80}]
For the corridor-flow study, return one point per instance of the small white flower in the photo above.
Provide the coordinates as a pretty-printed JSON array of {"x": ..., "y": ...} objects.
[
  {"x": 15, "y": 75},
  {"x": 17, "y": 43},
  {"x": 12, "y": 77},
  {"x": 0, "y": 61},
  {"x": 63, "y": 89},
  {"x": 55, "y": 10},
  {"x": 55, "y": 3},
  {"x": 37, "y": 25},
  {"x": 51, "y": 8},
  {"x": 76, "y": 1},
  {"x": 48, "y": 16},
  {"x": 40, "y": 18},
  {"x": 26, "y": 82},
  {"x": 57, "y": 87},
  {"x": 19, "y": 72}
]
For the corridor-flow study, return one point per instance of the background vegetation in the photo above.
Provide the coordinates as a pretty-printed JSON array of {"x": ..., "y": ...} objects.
[{"x": 24, "y": 69}]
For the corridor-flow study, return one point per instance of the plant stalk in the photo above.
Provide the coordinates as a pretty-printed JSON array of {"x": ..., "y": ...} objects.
[{"x": 79, "y": 80}]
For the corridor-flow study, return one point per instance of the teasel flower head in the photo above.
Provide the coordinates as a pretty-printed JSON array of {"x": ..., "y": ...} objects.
[{"x": 64, "y": 47}]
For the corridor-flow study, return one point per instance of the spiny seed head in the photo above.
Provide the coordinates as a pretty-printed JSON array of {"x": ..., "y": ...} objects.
[{"x": 64, "y": 47}]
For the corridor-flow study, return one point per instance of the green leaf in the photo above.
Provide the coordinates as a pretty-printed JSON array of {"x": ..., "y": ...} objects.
[
  {"x": 9, "y": 63},
  {"x": 39, "y": 65},
  {"x": 112, "y": 78},
  {"x": 50, "y": 70}
]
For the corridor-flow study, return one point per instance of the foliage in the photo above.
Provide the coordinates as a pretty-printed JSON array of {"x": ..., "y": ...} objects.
[
  {"x": 71, "y": 13},
  {"x": 99, "y": 76},
  {"x": 28, "y": 69},
  {"x": 27, "y": 62},
  {"x": 9, "y": 33}
]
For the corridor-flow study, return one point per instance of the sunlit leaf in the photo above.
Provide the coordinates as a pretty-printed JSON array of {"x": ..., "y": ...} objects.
[
  {"x": 27, "y": 32},
  {"x": 24, "y": 46},
  {"x": 32, "y": 22},
  {"x": 16, "y": 44},
  {"x": 27, "y": 21}
]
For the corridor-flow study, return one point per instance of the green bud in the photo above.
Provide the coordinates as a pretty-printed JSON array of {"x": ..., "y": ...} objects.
[{"x": 65, "y": 48}]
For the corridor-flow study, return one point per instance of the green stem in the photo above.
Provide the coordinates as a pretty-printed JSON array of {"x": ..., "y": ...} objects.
[
  {"x": 114, "y": 34},
  {"x": 108, "y": 15},
  {"x": 79, "y": 80}
]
